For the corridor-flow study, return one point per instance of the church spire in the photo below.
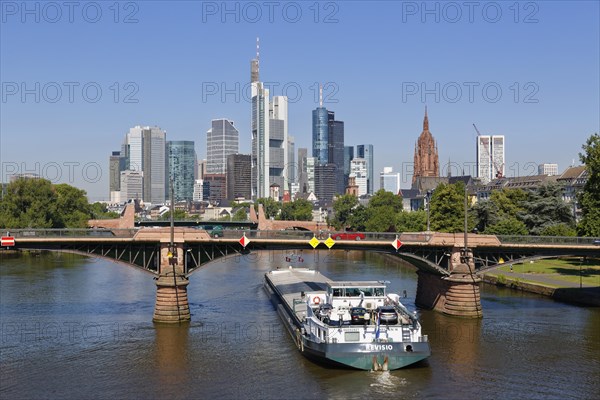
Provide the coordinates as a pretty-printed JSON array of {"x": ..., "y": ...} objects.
[{"x": 425, "y": 121}]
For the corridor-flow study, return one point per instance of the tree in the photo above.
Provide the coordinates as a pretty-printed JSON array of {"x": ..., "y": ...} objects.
[
  {"x": 100, "y": 211},
  {"x": 343, "y": 208},
  {"x": 384, "y": 198},
  {"x": 415, "y": 221},
  {"x": 447, "y": 208},
  {"x": 298, "y": 210},
  {"x": 271, "y": 207},
  {"x": 589, "y": 198},
  {"x": 240, "y": 215},
  {"x": 29, "y": 203},
  {"x": 544, "y": 207},
  {"x": 507, "y": 226},
  {"x": 382, "y": 212},
  {"x": 73, "y": 208},
  {"x": 485, "y": 213},
  {"x": 509, "y": 201},
  {"x": 561, "y": 229}
]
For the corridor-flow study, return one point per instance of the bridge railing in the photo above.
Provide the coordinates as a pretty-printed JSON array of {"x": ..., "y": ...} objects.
[
  {"x": 70, "y": 233},
  {"x": 323, "y": 235},
  {"x": 548, "y": 240}
]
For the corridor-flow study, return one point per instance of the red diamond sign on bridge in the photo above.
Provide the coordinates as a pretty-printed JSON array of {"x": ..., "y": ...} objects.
[
  {"x": 397, "y": 243},
  {"x": 244, "y": 241}
]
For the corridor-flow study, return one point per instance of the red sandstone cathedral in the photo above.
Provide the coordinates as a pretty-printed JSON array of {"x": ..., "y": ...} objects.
[{"x": 426, "y": 153}]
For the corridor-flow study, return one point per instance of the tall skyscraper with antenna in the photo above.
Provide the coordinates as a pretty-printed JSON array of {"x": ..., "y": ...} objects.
[
  {"x": 260, "y": 130},
  {"x": 269, "y": 136}
]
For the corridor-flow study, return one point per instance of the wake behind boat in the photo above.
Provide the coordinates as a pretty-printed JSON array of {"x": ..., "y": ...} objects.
[{"x": 347, "y": 323}]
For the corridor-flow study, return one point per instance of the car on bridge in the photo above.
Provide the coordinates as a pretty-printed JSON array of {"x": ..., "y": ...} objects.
[{"x": 348, "y": 236}]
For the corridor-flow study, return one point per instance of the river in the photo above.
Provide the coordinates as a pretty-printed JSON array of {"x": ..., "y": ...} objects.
[{"x": 74, "y": 327}]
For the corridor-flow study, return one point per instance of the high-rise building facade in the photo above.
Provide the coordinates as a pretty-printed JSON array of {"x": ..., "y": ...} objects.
[
  {"x": 390, "y": 181},
  {"x": 358, "y": 171},
  {"x": 548, "y": 169},
  {"x": 320, "y": 134},
  {"x": 146, "y": 153},
  {"x": 116, "y": 164},
  {"x": 181, "y": 162},
  {"x": 426, "y": 161},
  {"x": 291, "y": 166},
  {"x": 239, "y": 177},
  {"x": 490, "y": 157},
  {"x": 348, "y": 156},
  {"x": 365, "y": 151},
  {"x": 302, "y": 175},
  {"x": 336, "y": 153},
  {"x": 325, "y": 182},
  {"x": 131, "y": 185},
  {"x": 311, "y": 162},
  {"x": 222, "y": 139},
  {"x": 278, "y": 142}
]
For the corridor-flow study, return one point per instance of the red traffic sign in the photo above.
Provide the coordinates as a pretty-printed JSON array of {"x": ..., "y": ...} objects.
[
  {"x": 244, "y": 241},
  {"x": 7, "y": 241},
  {"x": 397, "y": 243}
]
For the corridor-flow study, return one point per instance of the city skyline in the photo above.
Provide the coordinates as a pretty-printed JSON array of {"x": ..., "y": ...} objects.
[{"x": 544, "y": 103}]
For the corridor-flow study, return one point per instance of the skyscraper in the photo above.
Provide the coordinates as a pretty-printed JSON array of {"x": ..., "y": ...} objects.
[
  {"x": 390, "y": 181},
  {"x": 336, "y": 153},
  {"x": 260, "y": 131},
  {"x": 366, "y": 151},
  {"x": 348, "y": 156},
  {"x": 320, "y": 134},
  {"x": 291, "y": 167},
  {"x": 146, "y": 153},
  {"x": 328, "y": 145},
  {"x": 222, "y": 139},
  {"x": 239, "y": 176},
  {"x": 131, "y": 185},
  {"x": 181, "y": 160},
  {"x": 302, "y": 170},
  {"x": 278, "y": 142},
  {"x": 358, "y": 171},
  {"x": 426, "y": 162},
  {"x": 490, "y": 157},
  {"x": 116, "y": 164}
]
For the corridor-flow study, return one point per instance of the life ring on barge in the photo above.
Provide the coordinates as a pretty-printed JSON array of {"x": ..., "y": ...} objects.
[{"x": 317, "y": 300}]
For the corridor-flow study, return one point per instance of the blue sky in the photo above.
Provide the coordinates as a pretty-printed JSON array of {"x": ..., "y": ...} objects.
[{"x": 384, "y": 62}]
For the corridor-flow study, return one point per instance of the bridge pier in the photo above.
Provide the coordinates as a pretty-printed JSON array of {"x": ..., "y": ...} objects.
[
  {"x": 458, "y": 294},
  {"x": 172, "y": 304}
]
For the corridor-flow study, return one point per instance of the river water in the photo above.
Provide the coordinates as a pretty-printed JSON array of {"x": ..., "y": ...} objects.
[{"x": 75, "y": 327}]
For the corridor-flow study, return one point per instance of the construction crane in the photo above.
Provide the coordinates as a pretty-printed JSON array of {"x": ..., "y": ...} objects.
[{"x": 493, "y": 162}]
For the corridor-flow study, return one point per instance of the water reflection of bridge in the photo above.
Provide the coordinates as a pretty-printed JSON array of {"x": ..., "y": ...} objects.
[{"x": 436, "y": 255}]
